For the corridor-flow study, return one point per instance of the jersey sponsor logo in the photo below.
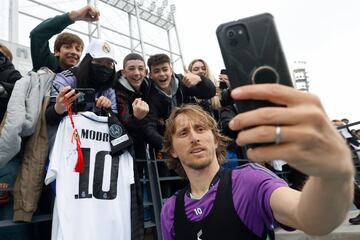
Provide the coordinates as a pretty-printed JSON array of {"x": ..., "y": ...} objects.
[{"x": 94, "y": 135}]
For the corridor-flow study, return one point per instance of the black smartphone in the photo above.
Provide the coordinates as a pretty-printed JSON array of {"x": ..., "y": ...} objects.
[
  {"x": 87, "y": 95},
  {"x": 223, "y": 85},
  {"x": 252, "y": 54}
]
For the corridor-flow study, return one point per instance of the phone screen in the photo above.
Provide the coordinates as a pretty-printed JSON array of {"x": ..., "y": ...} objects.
[{"x": 87, "y": 95}]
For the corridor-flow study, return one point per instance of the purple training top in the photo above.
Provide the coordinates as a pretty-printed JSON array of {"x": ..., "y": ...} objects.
[{"x": 252, "y": 186}]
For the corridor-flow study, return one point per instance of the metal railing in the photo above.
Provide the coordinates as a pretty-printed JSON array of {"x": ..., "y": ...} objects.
[{"x": 155, "y": 181}]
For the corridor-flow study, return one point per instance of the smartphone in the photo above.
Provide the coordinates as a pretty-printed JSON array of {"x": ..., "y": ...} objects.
[
  {"x": 222, "y": 85},
  {"x": 87, "y": 95},
  {"x": 252, "y": 54}
]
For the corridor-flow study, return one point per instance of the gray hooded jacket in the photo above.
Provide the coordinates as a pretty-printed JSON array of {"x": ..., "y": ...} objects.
[{"x": 23, "y": 111}]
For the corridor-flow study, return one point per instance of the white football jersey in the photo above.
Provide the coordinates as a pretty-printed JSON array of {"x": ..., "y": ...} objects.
[{"x": 94, "y": 204}]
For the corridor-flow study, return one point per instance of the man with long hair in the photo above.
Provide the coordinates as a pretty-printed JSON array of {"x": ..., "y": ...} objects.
[{"x": 247, "y": 202}]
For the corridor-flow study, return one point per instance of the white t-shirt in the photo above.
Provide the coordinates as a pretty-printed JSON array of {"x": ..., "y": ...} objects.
[{"x": 95, "y": 204}]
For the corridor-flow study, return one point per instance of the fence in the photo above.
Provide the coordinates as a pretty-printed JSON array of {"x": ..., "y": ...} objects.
[{"x": 156, "y": 182}]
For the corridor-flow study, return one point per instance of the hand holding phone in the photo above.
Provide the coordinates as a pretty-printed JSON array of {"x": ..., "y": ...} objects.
[
  {"x": 74, "y": 96},
  {"x": 252, "y": 54},
  {"x": 65, "y": 93}
]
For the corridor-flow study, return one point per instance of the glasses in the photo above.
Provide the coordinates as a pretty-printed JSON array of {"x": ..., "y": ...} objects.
[{"x": 104, "y": 62}]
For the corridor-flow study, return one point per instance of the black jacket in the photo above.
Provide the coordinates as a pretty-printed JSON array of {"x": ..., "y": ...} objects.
[
  {"x": 125, "y": 96},
  {"x": 161, "y": 105},
  {"x": 226, "y": 114},
  {"x": 8, "y": 76}
]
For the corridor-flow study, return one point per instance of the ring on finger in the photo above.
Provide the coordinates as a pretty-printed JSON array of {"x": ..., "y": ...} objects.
[{"x": 277, "y": 135}]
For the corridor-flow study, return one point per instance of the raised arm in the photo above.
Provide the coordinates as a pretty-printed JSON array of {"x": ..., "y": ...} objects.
[
  {"x": 198, "y": 86},
  {"x": 309, "y": 143},
  {"x": 41, "y": 54},
  {"x": 149, "y": 125}
]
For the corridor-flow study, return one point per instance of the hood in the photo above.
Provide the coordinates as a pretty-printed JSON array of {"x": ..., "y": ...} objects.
[
  {"x": 174, "y": 87},
  {"x": 126, "y": 84}
]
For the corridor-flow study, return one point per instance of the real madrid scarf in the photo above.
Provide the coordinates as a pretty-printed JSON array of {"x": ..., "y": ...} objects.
[{"x": 119, "y": 138}]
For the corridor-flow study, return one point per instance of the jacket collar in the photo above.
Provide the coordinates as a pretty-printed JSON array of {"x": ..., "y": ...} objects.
[
  {"x": 126, "y": 84},
  {"x": 174, "y": 87}
]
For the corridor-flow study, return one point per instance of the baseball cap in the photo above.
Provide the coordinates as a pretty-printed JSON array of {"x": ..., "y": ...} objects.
[{"x": 99, "y": 48}]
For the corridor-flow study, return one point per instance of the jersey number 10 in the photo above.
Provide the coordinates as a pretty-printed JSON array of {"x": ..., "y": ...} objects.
[{"x": 97, "y": 184}]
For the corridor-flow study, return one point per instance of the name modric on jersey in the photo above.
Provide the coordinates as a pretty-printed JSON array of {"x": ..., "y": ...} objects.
[{"x": 94, "y": 135}]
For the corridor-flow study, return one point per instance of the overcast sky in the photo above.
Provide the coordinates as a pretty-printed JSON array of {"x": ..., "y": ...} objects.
[{"x": 324, "y": 33}]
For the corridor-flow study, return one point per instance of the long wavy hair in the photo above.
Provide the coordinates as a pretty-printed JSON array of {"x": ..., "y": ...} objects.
[
  {"x": 194, "y": 112},
  {"x": 215, "y": 101}
]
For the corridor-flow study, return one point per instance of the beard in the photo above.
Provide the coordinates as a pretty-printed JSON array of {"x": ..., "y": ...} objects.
[{"x": 198, "y": 165}]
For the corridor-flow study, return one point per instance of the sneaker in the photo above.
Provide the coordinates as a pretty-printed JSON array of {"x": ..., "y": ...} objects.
[{"x": 355, "y": 220}]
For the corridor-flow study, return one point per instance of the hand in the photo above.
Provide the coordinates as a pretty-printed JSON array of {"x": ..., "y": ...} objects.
[
  {"x": 87, "y": 14},
  {"x": 224, "y": 78},
  {"x": 309, "y": 142},
  {"x": 190, "y": 79},
  {"x": 218, "y": 91},
  {"x": 140, "y": 108},
  {"x": 103, "y": 102},
  {"x": 67, "y": 93}
]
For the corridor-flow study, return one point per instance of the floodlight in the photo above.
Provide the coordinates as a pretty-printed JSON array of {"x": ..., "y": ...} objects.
[
  {"x": 165, "y": 3},
  {"x": 152, "y": 6},
  {"x": 169, "y": 16},
  {"x": 160, "y": 11},
  {"x": 172, "y": 8}
]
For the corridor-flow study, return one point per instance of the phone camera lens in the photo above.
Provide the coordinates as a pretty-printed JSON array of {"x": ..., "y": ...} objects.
[{"x": 231, "y": 33}]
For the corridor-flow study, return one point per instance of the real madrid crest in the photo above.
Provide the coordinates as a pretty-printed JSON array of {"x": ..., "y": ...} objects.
[
  {"x": 106, "y": 47},
  {"x": 115, "y": 130}
]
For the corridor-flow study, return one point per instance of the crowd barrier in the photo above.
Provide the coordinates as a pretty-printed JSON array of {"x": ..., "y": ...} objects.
[{"x": 155, "y": 181}]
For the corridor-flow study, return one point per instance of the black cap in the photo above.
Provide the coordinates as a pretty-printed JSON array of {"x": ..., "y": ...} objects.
[{"x": 223, "y": 71}]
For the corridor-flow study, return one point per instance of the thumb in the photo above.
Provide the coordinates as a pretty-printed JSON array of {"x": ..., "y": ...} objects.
[
  {"x": 94, "y": 13},
  {"x": 135, "y": 101},
  {"x": 185, "y": 69}
]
